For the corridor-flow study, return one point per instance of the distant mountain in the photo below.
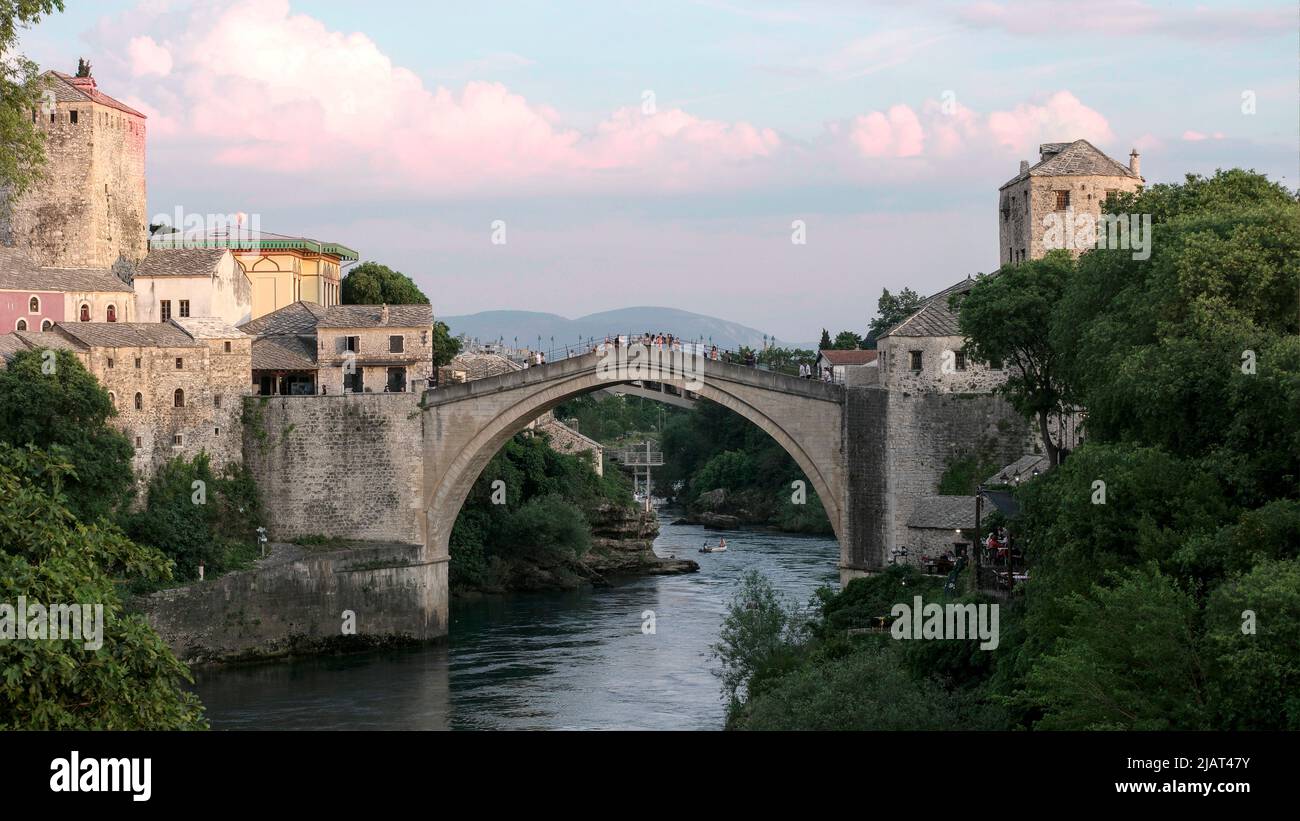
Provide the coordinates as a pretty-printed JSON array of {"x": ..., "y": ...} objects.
[{"x": 488, "y": 326}]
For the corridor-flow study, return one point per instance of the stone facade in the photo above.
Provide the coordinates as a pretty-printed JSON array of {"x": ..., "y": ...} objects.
[
  {"x": 137, "y": 365},
  {"x": 88, "y": 210},
  {"x": 1074, "y": 176}
]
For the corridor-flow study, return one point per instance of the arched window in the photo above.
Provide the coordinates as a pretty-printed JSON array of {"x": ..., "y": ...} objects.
[
  {"x": 46, "y": 324},
  {"x": 21, "y": 325},
  {"x": 139, "y": 401},
  {"x": 34, "y": 305},
  {"x": 112, "y": 313},
  {"x": 85, "y": 313},
  {"x": 112, "y": 398},
  {"x": 179, "y": 398}
]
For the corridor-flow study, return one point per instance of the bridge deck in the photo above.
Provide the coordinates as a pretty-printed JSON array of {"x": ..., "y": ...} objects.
[{"x": 703, "y": 370}]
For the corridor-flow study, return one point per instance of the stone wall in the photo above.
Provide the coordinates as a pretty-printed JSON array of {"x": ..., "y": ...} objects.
[
  {"x": 1030, "y": 200},
  {"x": 213, "y": 380},
  {"x": 88, "y": 209},
  {"x": 294, "y": 602},
  {"x": 341, "y": 466}
]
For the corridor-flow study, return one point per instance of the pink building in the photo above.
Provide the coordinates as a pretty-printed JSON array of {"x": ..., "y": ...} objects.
[{"x": 34, "y": 298}]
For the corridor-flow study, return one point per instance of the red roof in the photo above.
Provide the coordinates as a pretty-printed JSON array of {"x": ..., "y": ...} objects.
[
  {"x": 838, "y": 357},
  {"x": 86, "y": 85}
]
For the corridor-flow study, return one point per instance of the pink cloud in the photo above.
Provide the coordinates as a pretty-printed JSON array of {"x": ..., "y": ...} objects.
[
  {"x": 1196, "y": 136},
  {"x": 147, "y": 57},
  {"x": 1061, "y": 117},
  {"x": 897, "y": 134}
]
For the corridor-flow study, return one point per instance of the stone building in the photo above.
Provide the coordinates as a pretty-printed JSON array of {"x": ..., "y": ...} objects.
[
  {"x": 88, "y": 208},
  {"x": 192, "y": 282},
  {"x": 177, "y": 385},
  {"x": 837, "y": 361},
  {"x": 282, "y": 269},
  {"x": 929, "y": 405},
  {"x": 305, "y": 349},
  {"x": 940, "y": 525},
  {"x": 1070, "y": 180},
  {"x": 34, "y": 297}
]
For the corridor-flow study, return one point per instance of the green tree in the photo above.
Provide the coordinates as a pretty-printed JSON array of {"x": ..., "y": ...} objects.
[
  {"x": 193, "y": 515},
  {"x": 759, "y": 639},
  {"x": 825, "y": 344},
  {"x": 21, "y": 91},
  {"x": 48, "y": 400},
  {"x": 445, "y": 346},
  {"x": 847, "y": 341},
  {"x": 891, "y": 309},
  {"x": 1128, "y": 659},
  {"x": 132, "y": 681},
  {"x": 371, "y": 283},
  {"x": 1007, "y": 320}
]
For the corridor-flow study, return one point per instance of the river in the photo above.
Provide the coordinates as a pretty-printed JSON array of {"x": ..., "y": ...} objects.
[{"x": 566, "y": 660}]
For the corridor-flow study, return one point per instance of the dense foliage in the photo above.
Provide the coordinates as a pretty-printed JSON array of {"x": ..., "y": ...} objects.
[
  {"x": 371, "y": 283},
  {"x": 891, "y": 309},
  {"x": 1165, "y": 551},
  {"x": 49, "y": 557},
  {"x": 48, "y": 400},
  {"x": 194, "y": 515},
  {"x": 22, "y": 90},
  {"x": 544, "y": 514}
]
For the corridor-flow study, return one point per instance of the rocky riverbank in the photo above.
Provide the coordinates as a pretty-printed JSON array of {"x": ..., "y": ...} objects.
[{"x": 622, "y": 544}]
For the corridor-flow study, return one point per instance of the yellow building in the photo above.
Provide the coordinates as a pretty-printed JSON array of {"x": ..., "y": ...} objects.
[{"x": 281, "y": 269}]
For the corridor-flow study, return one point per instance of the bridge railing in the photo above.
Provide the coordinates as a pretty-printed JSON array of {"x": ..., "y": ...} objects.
[{"x": 705, "y": 347}]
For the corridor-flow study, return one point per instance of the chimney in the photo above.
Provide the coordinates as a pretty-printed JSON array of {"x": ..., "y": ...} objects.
[
  {"x": 383, "y": 315},
  {"x": 1024, "y": 166},
  {"x": 1135, "y": 163}
]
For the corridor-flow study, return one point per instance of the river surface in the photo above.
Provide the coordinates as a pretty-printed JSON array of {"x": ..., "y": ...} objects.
[{"x": 567, "y": 660}]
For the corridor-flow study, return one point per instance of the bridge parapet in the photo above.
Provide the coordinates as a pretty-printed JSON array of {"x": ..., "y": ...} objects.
[{"x": 675, "y": 367}]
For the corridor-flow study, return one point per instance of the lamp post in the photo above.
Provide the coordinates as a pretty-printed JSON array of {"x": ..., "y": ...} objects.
[{"x": 975, "y": 551}]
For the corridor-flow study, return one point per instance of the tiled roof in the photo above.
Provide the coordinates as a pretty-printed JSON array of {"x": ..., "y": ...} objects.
[
  {"x": 251, "y": 242},
  {"x": 1077, "y": 158},
  {"x": 12, "y": 343},
  {"x": 372, "y": 316},
  {"x": 1019, "y": 470},
  {"x": 128, "y": 334},
  {"x": 294, "y": 318},
  {"x": 181, "y": 262},
  {"x": 483, "y": 365},
  {"x": 947, "y": 512},
  {"x": 284, "y": 353},
  {"x": 207, "y": 327},
  {"x": 840, "y": 357},
  {"x": 933, "y": 317},
  {"x": 86, "y": 88},
  {"x": 19, "y": 273}
]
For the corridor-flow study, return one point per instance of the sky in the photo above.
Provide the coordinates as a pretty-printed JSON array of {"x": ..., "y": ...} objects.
[{"x": 573, "y": 157}]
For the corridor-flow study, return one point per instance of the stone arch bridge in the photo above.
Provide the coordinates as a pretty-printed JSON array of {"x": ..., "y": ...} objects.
[
  {"x": 393, "y": 469},
  {"x": 467, "y": 423}
]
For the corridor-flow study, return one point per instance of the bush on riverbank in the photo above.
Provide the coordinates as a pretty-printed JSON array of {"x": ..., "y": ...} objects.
[
  {"x": 536, "y": 524},
  {"x": 192, "y": 515}
]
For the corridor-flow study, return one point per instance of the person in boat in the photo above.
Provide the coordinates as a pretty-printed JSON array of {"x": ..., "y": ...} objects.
[{"x": 722, "y": 544}]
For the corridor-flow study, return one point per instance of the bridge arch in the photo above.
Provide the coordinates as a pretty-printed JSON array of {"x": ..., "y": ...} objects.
[{"x": 467, "y": 424}]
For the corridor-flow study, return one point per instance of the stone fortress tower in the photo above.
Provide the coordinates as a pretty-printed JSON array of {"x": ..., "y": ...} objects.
[
  {"x": 1069, "y": 177},
  {"x": 88, "y": 209}
]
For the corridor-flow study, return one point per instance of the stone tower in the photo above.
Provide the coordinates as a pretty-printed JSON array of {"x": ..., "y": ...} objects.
[
  {"x": 1069, "y": 180},
  {"x": 88, "y": 209}
]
